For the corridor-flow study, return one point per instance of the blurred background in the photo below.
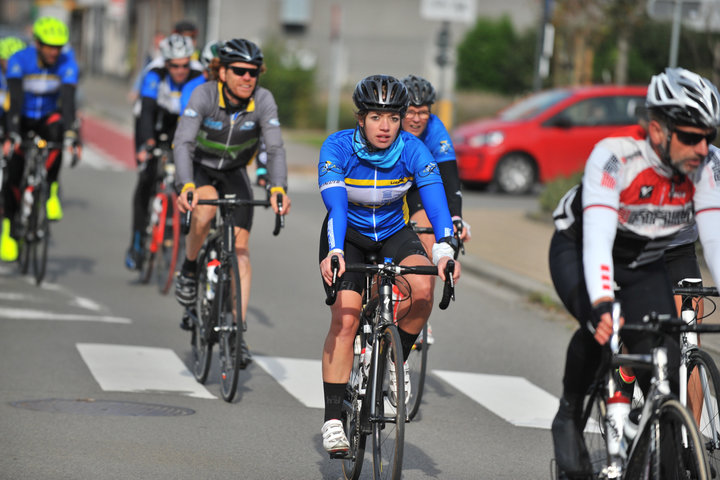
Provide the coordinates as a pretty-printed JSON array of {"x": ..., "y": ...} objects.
[{"x": 480, "y": 54}]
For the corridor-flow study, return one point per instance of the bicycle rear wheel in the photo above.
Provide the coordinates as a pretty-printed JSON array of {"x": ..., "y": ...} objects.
[
  {"x": 231, "y": 334},
  {"x": 40, "y": 229},
  {"x": 703, "y": 398},
  {"x": 388, "y": 426},
  {"x": 417, "y": 364},
  {"x": 669, "y": 447},
  {"x": 352, "y": 415},
  {"x": 203, "y": 335}
]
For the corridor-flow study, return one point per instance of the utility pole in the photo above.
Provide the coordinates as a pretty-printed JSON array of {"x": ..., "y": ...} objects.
[
  {"x": 333, "y": 109},
  {"x": 544, "y": 46}
]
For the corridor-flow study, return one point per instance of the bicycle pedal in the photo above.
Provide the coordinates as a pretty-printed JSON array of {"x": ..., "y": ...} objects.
[{"x": 342, "y": 455}]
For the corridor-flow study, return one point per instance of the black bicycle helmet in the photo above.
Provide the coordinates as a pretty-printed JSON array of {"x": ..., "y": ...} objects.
[
  {"x": 382, "y": 93},
  {"x": 241, "y": 50},
  {"x": 421, "y": 91}
]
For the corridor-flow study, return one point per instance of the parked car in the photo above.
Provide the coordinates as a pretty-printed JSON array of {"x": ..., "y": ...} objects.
[{"x": 544, "y": 136}]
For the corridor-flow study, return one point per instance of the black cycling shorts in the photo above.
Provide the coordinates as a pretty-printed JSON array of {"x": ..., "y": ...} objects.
[
  {"x": 397, "y": 247},
  {"x": 230, "y": 182},
  {"x": 681, "y": 263}
]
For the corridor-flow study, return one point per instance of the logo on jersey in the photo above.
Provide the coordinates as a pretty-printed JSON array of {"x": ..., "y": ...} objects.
[
  {"x": 274, "y": 122},
  {"x": 328, "y": 167},
  {"x": 610, "y": 170},
  {"x": 249, "y": 125},
  {"x": 646, "y": 191},
  {"x": 189, "y": 112},
  {"x": 444, "y": 146},
  {"x": 716, "y": 169},
  {"x": 212, "y": 125},
  {"x": 430, "y": 169}
]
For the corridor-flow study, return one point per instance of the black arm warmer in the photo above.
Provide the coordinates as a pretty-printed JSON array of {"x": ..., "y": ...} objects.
[
  {"x": 67, "y": 102},
  {"x": 16, "y": 99},
  {"x": 451, "y": 181},
  {"x": 146, "y": 128}
]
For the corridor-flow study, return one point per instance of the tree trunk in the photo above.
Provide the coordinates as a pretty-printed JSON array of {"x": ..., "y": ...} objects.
[{"x": 621, "y": 66}]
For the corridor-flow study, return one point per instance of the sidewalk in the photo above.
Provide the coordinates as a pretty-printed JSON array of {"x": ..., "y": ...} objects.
[{"x": 507, "y": 247}]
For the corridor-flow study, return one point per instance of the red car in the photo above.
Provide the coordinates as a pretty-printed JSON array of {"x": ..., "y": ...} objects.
[{"x": 546, "y": 135}]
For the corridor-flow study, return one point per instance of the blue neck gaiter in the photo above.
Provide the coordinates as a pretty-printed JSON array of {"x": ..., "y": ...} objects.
[{"x": 380, "y": 158}]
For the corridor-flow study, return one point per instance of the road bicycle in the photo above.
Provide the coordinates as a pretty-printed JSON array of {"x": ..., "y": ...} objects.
[
  {"x": 699, "y": 375},
  {"x": 212, "y": 319},
  {"x": 367, "y": 409},
  {"x": 163, "y": 243},
  {"x": 418, "y": 359},
  {"x": 33, "y": 224},
  {"x": 663, "y": 441}
]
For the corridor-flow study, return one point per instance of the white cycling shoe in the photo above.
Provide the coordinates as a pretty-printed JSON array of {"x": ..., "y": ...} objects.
[
  {"x": 393, "y": 383},
  {"x": 334, "y": 438}
]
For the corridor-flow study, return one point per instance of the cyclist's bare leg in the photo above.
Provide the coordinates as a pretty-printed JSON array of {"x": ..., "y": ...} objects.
[
  {"x": 422, "y": 287},
  {"x": 242, "y": 252},
  {"x": 427, "y": 239},
  {"x": 337, "y": 355},
  {"x": 201, "y": 218}
]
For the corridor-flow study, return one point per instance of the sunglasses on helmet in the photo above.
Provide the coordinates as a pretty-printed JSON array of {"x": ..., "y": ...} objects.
[
  {"x": 692, "y": 138},
  {"x": 241, "y": 71}
]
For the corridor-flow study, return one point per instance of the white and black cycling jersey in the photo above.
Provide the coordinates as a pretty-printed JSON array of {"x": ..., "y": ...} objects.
[{"x": 631, "y": 207}]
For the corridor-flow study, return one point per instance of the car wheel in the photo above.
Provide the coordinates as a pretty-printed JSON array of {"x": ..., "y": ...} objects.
[{"x": 515, "y": 174}]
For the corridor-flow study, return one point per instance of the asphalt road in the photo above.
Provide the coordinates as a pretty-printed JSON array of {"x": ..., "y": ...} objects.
[{"x": 90, "y": 354}]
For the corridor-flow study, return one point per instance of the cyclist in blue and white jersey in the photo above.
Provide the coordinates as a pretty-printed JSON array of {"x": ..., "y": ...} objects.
[
  {"x": 364, "y": 174},
  {"x": 421, "y": 122},
  {"x": 8, "y": 46},
  {"x": 42, "y": 80},
  {"x": 612, "y": 232},
  {"x": 160, "y": 109}
]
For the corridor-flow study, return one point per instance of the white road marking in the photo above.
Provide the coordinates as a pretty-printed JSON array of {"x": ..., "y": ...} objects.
[
  {"x": 86, "y": 303},
  {"x": 126, "y": 368},
  {"x": 301, "y": 378},
  {"x": 29, "y": 314},
  {"x": 514, "y": 399}
]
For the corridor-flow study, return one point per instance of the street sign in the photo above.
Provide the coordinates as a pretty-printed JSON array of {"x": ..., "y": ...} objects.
[
  {"x": 448, "y": 10},
  {"x": 665, "y": 9}
]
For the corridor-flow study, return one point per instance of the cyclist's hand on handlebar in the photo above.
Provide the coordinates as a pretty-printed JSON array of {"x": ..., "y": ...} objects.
[
  {"x": 463, "y": 228},
  {"x": 604, "y": 328},
  {"x": 182, "y": 201},
  {"x": 442, "y": 263},
  {"x": 285, "y": 204},
  {"x": 326, "y": 269}
]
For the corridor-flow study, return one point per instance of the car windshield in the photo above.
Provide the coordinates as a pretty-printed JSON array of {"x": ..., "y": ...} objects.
[{"x": 533, "y": 105}]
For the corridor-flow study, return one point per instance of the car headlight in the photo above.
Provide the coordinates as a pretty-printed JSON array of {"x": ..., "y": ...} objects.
[{"x": 491, "y": 139}]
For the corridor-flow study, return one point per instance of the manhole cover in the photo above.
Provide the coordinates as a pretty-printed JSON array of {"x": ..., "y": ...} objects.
[{"x": 90, "y": 406}]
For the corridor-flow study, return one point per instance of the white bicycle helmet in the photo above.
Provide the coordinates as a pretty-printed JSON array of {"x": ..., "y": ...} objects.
[
  {"x": 176, "y": 46},
  {"x": 685, "y": 98},
  {"x": 210, "y": 51}
]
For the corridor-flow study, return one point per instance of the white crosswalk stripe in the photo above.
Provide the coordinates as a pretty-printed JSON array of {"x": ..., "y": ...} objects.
[{"x": 300, "y": 378}]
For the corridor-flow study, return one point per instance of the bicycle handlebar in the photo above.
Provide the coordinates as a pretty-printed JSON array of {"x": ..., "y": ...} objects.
[
  {"x": 669, "y": 324},
  {"x": 279, "y": 217},
  {"x": 392, "y": 269},
  {"x": 429, "y": 230},
  {"x": 696, "y": 291}
]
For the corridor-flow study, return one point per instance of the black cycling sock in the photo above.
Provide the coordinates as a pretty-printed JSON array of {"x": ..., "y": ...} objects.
[
  {"x": 407, "y": 340},
  {"x": 189, "y": 268},
  {"x": 334, "y": 394}
]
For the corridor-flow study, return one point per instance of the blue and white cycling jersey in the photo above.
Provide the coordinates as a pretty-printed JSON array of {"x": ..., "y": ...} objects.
[
  {"x": 437, "y": 139},
  {"x": 41, "y": 84},
  {"x": 187, "y": 90},
  {"x": 163, "y": 90},
  {"x": 371, "y": 199}
]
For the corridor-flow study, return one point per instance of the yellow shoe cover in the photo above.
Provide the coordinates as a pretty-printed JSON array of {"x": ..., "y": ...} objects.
[
  {"x": 54, "y": 209},
  {"x": 8, "y": 245}
]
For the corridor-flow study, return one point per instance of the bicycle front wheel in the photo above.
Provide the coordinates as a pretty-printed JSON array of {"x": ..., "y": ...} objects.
[
  {"x": 388, "y": 422},
  {"x": 352, "y": 418},
  {"x": 40, "y": 231},
  {"x": 168, "y": 248},
  {"x": 417, "y": 365},
  {"x": 669, "y": 447},
  {"x": 703, "y": 395},
  {"x": 202, "y": 333},
  {"x": 231, "y": 333},
  {"x": 593, "y": 428}
]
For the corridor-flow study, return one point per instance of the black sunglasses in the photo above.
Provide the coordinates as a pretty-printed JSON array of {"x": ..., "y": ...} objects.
[
  {"x": 241, "y": 71},
  {"x": 178, "y": 65},
  {"x": 689, "y": 138}
]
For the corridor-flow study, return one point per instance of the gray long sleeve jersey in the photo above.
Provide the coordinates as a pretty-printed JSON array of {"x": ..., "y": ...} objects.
[{"x": 208, "y": 135}]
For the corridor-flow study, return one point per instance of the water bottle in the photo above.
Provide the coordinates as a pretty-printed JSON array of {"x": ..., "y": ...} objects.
[
  {"x": 212, "y": 278},
  {"x": 618, "y": 408},
  {"x": 366, "y": 354}
]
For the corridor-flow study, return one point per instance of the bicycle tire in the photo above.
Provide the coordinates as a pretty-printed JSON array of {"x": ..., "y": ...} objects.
[
  {"x": 388, "y": 428},
  {"x": 592, "y": 424},
  {"x": 149, "y": 243},
  {"x": 229, "y": 353},
  {"x": 168, "y": 243},
  {"x": 709, "y": 425},
  {"x": 659, "y": 453},
  {"x": 24, "y": 243},
  {"x": 352, "y": 418},
  {"x": 417, "y": 365},
  {"x": 40, "y": 232},
  {"x": 203, "y": 337}
]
